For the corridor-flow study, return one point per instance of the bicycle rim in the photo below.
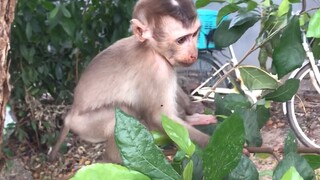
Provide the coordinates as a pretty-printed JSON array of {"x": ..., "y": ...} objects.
[{"x": 304, "y": 109}]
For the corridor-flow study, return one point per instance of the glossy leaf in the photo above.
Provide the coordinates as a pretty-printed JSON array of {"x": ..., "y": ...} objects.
[
  {"x": 160, "y": 139},
  {"x": 292, "y": 174},
  {"x": 313, "y": 160},
  {"x": 138, "y": 150},
  {"x": 107, "y": 171},
  {"x": 224, "y": 11},
  {"x": 289, "y": 53},
  {"x": 246, "y": 170},
  {"x": 179, "y": 134},
  {"x": 314, "y": 25},
  {"x": 224, "y": 150},
  {"x": 291, "y": 144},
  {"x": 243, "y": 18},
  {"x": 285, "y": 92},
  {"x": 188, "y": 170},
  {"x": 297, "y": 161},
  {"x": 256, "y": 79},
  {"x": 225, "y": 36},
  {"x": 252, "y": 130},
  {"x": 284, "y": 7}
]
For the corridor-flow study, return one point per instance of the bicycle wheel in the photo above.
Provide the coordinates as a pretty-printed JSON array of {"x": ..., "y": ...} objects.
[
  {"x": 191, "y": 77},
  {"x": 304, "y": 110}
]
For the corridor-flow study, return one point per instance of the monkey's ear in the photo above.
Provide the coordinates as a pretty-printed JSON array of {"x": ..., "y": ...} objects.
[{"x": 140, "y": 30}]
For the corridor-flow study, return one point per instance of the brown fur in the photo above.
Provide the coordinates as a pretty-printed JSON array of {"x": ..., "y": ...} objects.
[{"x": 136, "y": 74}]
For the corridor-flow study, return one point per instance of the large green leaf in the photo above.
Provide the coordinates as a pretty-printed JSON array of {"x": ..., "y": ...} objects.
[
  {"x": 107, "y": 171},
  {"x": 255, "y": 78},
  {"x": 224, "y": 150},
  {"x": 313, "y": 160},
  {"x": 289, "y": 53},
  {"x": 314, "y": 25},
  {"x": 316, "y": 48},
  {"x": 285, "y": 92},
  {"x": 225, "y": 36},
  {"x": 138, "y": 150},
  {"x": 179, "y": 134},
  {"x": 292, "y": 174},
  {"x": 264, "y": 115},
  {"x": 295, "y": 160},
  {"x": 290, "y": 143},
  {"x": 202, "y": 3},
  {"x": 246, "y": 170},
  {"x": 250, "y": 118},
  {"x": 243, "y": 17}
]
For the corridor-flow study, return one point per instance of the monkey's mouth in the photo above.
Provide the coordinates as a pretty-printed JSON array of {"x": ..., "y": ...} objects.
[{"x": 186, "y": 64}]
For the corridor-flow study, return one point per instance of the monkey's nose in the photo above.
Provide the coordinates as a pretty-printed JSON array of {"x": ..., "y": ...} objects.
[{"x": 193, "y": 58}]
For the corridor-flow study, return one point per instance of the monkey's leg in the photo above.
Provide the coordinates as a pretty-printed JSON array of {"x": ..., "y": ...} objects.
[{"x": 201, "y": 119}]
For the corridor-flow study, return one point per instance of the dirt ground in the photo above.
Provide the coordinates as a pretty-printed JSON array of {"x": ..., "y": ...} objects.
[{"x": 29, "y": 164}]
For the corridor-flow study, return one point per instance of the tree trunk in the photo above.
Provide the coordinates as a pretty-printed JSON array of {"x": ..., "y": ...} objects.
[{"x": 7, "y": 8}]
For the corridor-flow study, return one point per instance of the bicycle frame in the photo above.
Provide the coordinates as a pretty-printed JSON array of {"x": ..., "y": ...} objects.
[{"x": 209, "y": 92}]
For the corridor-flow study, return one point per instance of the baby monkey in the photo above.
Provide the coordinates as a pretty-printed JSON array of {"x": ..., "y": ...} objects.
[{"x": 137, "y": 74}]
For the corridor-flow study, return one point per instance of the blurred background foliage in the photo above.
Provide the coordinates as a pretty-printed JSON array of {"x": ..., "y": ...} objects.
[{"x": 52, "y": 41}]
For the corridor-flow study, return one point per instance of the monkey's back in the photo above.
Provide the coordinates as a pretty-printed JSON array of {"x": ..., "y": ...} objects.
[{"x": 124, "y": 73}]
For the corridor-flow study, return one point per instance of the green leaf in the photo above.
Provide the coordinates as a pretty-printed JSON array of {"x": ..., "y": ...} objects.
[
  {"x": 284, "y": 7},
  {"x": 243, "y": 17},
  {"x": 224, "y": 150},
  {"x": 188, "y": 170},
  {"x": 65, "y": 11},
  {"x": 107, "y": 171},
  {"x": 292, "y": 174},
  {"x": 179, "y": 134},
  {"x": 160, "y": 139},
  {"x": 313, "y": 161},
  {"x": 289, "y": 53},
  {"x": 316, "y": 48},
  {"x": 285, "y": 92},
  {"x": 54, "y": 12},
  {"x": 264, "y": 115},
  {"x": 295, "y": 160},
  {"x": 252, "y": 130},
  {"x": 257, "y": 79},
  {"x": 225, "y": 36},
  {"x": 68, "y": 26},
  {"x": 234, "y": 101},
  {"x": 314, "y": 25},
  {"x": 246, "y": 170},
  {"x": 290, "y": 143},
  {"x": 294, "y": 1},
  {"x": 251, "y": 5},
  {"x": 228, "y": 9},
  {"x": 138, "y": 150},
  {"x": 202, "y": 3},
  {"x": 29, "y": 31}
]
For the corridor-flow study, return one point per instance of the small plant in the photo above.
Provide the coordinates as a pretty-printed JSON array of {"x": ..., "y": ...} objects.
[{"x": 222, "y": 158}]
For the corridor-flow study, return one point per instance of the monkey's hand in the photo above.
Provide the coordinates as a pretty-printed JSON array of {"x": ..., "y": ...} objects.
[{"x": 201, "y": 119}]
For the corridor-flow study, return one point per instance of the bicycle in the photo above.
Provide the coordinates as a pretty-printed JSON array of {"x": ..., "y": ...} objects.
[
  {"x": 212, "y": 64},
  {"x": 300, "y": 110}
]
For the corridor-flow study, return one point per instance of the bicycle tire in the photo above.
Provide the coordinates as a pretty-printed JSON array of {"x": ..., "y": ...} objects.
[{"x": 301, "y": 110}]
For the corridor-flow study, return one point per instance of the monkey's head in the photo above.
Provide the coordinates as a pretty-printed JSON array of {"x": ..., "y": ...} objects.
[{"x": 169, "y": 27}]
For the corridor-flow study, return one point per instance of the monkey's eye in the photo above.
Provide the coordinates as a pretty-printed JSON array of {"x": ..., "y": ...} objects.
[{"x": 181, "y": 40}]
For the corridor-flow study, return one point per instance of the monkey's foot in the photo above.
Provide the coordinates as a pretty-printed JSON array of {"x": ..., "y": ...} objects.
[{"x": 201, "y": 119}]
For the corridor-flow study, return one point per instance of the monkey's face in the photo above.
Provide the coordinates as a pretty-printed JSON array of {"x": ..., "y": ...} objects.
[{"x": 177, "y": 43}]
